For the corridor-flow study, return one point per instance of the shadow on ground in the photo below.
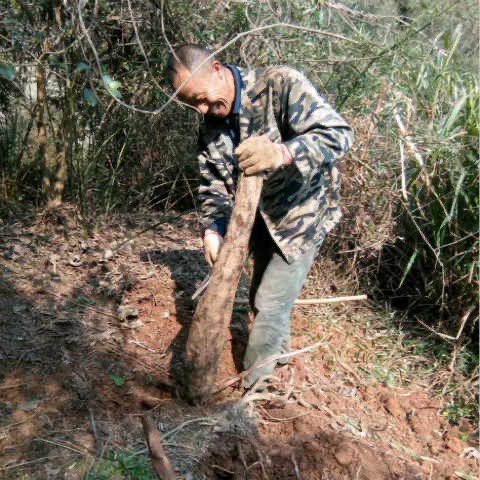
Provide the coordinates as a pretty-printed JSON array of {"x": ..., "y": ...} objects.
[{"x": 188, "y": 269}]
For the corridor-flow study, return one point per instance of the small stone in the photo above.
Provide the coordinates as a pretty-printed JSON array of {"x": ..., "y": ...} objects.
[
  {"x": 165, "y": 314},
  {"x": 75, "y": 261},
  {"x": 28, "y": 406},
  {"x": 453, "y": 442},
  {"x": 344, "y": 454},
  {"x": 53, "y": 258},
  {"x": 135, "y": 324},
  {"x": 85, "y": 440},
  {"x": 20, "y": 250},
  {"x": 126, "y": 312},
  {"x": 107, "y": 254}
]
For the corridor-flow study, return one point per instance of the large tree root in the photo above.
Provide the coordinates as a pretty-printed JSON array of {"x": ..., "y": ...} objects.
[{"x": 214, "y": 310}]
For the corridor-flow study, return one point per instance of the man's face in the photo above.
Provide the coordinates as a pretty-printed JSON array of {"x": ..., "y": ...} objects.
[{"x": 208, "y": 91}]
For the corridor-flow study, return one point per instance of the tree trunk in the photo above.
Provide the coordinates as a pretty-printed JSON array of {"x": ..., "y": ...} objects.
[
  {"x": 40, "y": 121},
  {"x": 64, "y": 145},
  {"x": 56, "y": 159},
  {"x": 52, "y": 159},
  {"x": 214, "y": 310}
]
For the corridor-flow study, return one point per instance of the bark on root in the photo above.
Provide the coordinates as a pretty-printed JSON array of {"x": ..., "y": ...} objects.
[{"x": 214, "y": 310}]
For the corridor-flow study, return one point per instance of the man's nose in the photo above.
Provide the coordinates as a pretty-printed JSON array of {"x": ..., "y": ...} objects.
[{"x": 203, "y": 108}]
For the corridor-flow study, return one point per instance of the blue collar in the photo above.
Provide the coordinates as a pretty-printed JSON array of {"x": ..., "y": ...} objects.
[{"x": 238, "y": 88}]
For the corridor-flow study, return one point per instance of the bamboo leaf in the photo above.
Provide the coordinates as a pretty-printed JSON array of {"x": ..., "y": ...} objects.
[
  {"x": 458, "y": 187},
  {"x": 112, "y": 85},
  {"x": 452, "y": 117},
  {"x": 89, "y": 96},
  {"x": 117, "y": 380},
  {"x": 7, "y": 71},
  {"x": 82, "y": 67},
  {"x": 408, "y": 267}
]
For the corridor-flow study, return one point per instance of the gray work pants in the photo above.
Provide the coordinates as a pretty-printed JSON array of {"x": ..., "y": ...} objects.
[{"x": 275, "y": 286}]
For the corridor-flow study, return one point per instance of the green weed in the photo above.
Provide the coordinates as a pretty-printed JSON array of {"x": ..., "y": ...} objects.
[
  {"x": 117, "y": 380},
  {"x": 120, "y": 465},
  {"x": 456, "y": 410}
]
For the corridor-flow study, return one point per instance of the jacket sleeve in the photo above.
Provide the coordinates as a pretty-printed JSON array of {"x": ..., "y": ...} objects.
[
  {"x": 316, "y": 134},
  {"x": 215, "y": 201}
]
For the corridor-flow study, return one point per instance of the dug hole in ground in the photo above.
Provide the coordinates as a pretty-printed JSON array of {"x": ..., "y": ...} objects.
[{"x": 93, "y": 330}]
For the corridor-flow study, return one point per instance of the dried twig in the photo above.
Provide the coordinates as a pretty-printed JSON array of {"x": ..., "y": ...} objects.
[
  {"x": 270, "y": 359},
  {"x": 463, "y": 321},
  {"x": 315, "y": 301},
  {"x": 31, "y": 462},
  {"x": 413, "y": 148},
  {"x": 98, "y": 443},
  {"x": 373, "y": 120},
  {"x": 287, "y": 419},
  {"x": 402, "y": 169},
  {"x": 205, "y": 420},
  {"x": 295, "y": 465},
  {"x": 62, "y": 445},
  {"x": 15, "y": 385}
]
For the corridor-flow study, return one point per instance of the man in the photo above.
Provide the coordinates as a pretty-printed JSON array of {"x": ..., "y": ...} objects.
[{"x": 272, "y": 122}]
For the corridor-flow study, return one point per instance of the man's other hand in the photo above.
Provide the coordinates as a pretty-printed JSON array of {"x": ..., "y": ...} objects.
[
  {"x": 212, "y": 243},
  {"x": 259, "y": 154}
]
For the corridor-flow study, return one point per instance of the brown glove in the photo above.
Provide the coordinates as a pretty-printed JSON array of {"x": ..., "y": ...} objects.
[{"x": 259, "y": 154}]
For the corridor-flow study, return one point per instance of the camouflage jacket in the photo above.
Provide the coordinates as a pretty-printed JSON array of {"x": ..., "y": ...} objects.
[{"x": 299, "y": 202}]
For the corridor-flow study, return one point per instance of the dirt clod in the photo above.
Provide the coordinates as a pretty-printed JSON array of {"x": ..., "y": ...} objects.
[
  {"x": 345, "y": 454},
  {"x": 393, "y": 406}
]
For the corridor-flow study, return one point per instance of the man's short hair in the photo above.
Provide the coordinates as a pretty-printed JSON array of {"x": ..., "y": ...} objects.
[{"x": 189, "y": 56}]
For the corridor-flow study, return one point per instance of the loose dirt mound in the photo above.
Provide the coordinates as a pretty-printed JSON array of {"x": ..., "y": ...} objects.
[{"x": 93, "y": 332}]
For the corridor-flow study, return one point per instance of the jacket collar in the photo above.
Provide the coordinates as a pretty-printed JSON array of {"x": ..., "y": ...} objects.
[{"x": 238, "y": 88}]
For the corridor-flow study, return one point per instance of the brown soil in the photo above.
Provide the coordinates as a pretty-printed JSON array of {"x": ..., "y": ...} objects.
[{"x": 92, "y": 333}]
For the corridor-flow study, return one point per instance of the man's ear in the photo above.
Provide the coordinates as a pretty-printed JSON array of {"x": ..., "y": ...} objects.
[{"x": 216, "y": 67}]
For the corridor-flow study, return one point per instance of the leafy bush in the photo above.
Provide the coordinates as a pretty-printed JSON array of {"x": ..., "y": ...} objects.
[{"x": 437, "y": 250}]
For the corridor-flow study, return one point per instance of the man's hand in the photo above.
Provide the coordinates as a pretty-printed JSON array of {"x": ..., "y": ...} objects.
[
  {"x": 212, "y": 243},
  {"x": 258, "y": 154}
]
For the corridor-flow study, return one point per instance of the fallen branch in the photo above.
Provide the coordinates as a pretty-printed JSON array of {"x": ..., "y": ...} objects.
[
  {"x": 271, "y": 358},
  {"x": 449, "y": 338},
  {"x": 315, "y": 301},
  {"x": 161, "y": 463}
]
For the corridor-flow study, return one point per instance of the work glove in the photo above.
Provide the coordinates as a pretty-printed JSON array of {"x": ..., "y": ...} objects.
[
  {"x": 212, "y": 243},
  {"x": 259, "y": 154}
]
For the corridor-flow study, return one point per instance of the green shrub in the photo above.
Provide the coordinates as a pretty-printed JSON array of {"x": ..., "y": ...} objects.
[{"x": 437, "y": 250}]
